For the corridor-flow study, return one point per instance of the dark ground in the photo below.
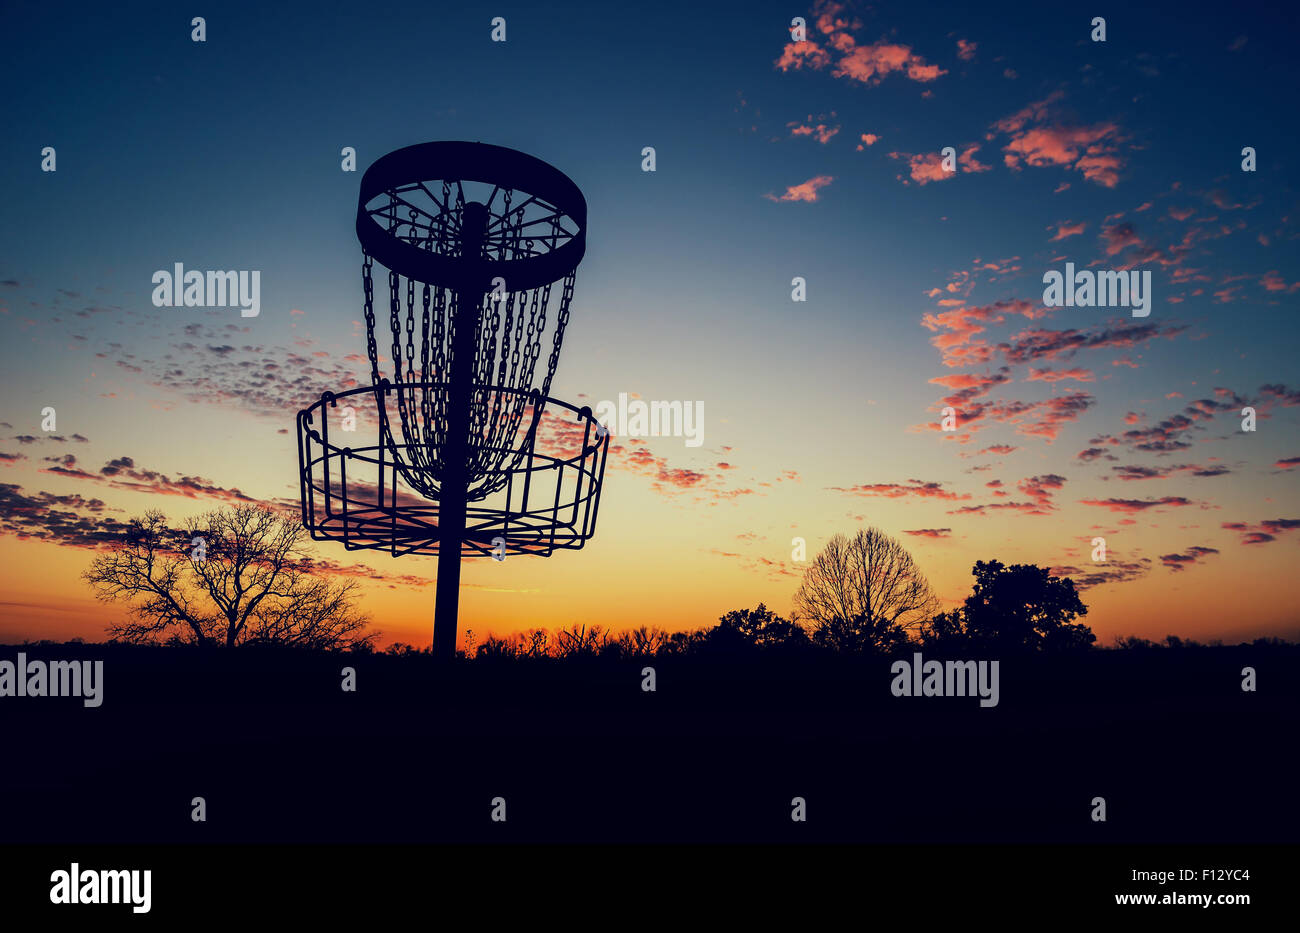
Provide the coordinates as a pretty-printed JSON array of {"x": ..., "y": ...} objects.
[{"x": 581, "y": 754}]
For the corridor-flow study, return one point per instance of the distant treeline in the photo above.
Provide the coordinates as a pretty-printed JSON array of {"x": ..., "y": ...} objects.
[{"x": 742, "y": 632}]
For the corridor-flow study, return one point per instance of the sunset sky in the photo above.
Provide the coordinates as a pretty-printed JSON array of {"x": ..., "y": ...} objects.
[{"x": 775, "y": 159}]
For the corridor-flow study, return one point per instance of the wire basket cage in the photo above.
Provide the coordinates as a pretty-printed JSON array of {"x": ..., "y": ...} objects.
[{"x": 354, "y": 490}]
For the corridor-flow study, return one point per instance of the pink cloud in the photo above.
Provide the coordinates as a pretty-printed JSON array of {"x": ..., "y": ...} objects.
[
  {"x": 1133, "y": 506},
  {"x": 797, "y": 55},
  {"x": 1068, "y": 229},
  {"x": 806, "y": 191},
  {"x": 929, "y": 532},
  {"x": 969, "y": 386},
  {"x": 821, "y": 132},
  {"x": 1221, "y": 200},
  {"x": 1263, "y": 532},
  {"x": 1186, "y": 559},
  {"x": 1275, "y": 283},
  {"x": 1040, "y": 490},
  {"x": 1119, "y": 237},
  {"x": 1055, "y": 145},
  {"x": 1094, "y": 453},
  {"x": 924, "y": 168},
  {"x": 969, "y": 163},
  {"x": 1043, "y": 419},
  {"x": 1032, "y": 112},
  {"x": 1038, "y": 141},
  {"x": 1044, "y": 344},
  {"x": 1059, "y": 375},
  {"x": 962, "y": 324},
  {"x": 870, "y": 64},
  {"x": 864, "y": 64},
  {"x": 916, "y": 488},
  {"x": 928, "y": 166}
]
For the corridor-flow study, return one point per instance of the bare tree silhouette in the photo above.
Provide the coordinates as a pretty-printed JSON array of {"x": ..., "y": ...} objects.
[
  {"x": 642, "y": 642},
  {"x": 536, "y": 643},
  {"x": 864, "y": 593},
  {"x": 579, "y": 641},
  {"x": 233, "y": 576}
]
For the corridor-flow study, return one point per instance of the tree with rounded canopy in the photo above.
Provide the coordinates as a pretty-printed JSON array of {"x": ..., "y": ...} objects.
[
  {"x": 759, "y": 628},
  {"x": 864, "y": 593},
  {"x": 1017, "y": 608}
]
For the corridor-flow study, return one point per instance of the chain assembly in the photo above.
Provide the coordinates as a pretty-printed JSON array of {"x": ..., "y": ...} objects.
[{"x": 512, "y": 326}]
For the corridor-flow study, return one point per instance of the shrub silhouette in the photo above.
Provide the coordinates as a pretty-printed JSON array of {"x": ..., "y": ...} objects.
[
  {"x": 760, "y": 628},
  {"x": 643, "y": 642},
  {"x": 580, "y": 641}
]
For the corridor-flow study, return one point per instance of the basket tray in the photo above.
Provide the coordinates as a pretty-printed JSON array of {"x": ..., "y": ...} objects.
[{"x": 353, "y": 488}]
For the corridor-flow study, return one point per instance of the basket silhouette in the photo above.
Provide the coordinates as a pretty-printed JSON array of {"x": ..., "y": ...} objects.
[
  {"x": 470, "y": 257},
  {"x": 354, "y": 490}
]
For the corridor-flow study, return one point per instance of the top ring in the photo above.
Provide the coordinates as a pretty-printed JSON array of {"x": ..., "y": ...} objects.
[{"x": 537, "y": 240}]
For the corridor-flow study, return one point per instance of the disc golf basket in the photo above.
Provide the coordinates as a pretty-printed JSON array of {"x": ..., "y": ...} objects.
[{"x": 458, "y": 450}]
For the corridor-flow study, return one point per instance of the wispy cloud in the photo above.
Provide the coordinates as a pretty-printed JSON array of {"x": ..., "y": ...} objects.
[
  {"x": 929, "y": 532},
  {"x": 805, "y": 191},
  {"x": 1180, "y": 561},
  {"x": 913, "y": 487},
  {"x": 1262, "y": 532},
  {"x": 1134, "y": 506}
]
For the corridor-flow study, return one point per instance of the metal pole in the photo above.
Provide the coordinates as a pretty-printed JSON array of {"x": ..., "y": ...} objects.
[{"x": 455, "y": 483}]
